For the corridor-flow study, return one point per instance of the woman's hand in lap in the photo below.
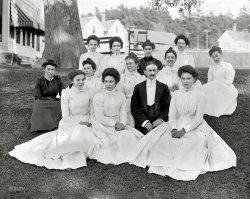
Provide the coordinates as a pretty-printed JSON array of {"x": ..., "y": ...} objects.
[{"x": 119, "y": 126}]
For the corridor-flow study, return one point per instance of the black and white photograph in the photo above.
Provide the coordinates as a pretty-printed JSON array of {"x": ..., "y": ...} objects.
[{"x": 125, "y": 99}]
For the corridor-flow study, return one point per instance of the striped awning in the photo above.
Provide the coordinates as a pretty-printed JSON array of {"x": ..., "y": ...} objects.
[{"x": 20, "y": 17}]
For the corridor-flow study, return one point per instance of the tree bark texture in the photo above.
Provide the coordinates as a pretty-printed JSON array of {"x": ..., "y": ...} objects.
[{"x": 63, "y": 35}]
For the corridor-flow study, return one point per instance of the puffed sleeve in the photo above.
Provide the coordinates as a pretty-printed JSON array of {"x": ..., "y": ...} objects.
[
  {"x": 120, "y": 85},
  {"x": 191, "y": 61},
  {"x": 91, "y": 108},
  {"x": 98, "y": 103},
  {"x": 101, "y": 67},
  {"x": 229, "y": 75},
  {"x": 82, "y": 58},
  {"x": 172, "y": 115},
  {"x": 210, "y": 74},
  {"x": 198, "y": 118},
  {"x": 65, "y": 103},
  {"x": 123, "y": 110},
  {"x": 98, "y": 86},
  {"x": 37, "y": 91}
]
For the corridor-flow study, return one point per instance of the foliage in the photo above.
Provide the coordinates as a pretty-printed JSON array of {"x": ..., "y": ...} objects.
[
  {"x": 192, "y": 25},
  {"x": 182, "y": 5}
]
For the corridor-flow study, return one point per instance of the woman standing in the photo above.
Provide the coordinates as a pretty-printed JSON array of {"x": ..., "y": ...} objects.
[
  {"x": 183, "y": 58},
  {"x": 221, "y": 95},
  {"x": 92, "y": 42},
  {"x": 168, "y": 75},
  {"x": 47, "y": 111},
  {"x": 66, "y": 147},
  {"x": 186, "y": 146},
  {"x": 115, "y": 137},
  {"x": 116, "y": 59}
]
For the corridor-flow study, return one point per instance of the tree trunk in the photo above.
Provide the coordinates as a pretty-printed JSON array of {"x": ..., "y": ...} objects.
[{"x": 63, "y": 35}]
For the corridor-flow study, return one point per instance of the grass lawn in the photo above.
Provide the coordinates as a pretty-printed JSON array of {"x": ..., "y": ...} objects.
[{"x": 19, "y": 180}]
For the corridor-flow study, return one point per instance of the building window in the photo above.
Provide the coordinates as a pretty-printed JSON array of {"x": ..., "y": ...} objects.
[
  {"x": 93, "y": 31},
  {"x": 18, "y": 36},
  {"x": 28, "y": 38},
  {"x": 33, "y": 40},
  {"x": 23, "y": 37},
  {"x": 38, "y": 43}
]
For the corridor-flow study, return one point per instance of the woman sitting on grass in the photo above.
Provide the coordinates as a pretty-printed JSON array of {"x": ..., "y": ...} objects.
[
  {"x": 186, "y": 146},
  {"x": 47, "y": 110},
  {"x": 66, "y": 147},
  {"x": 115, "y": 137},
  {"x": 221, "y": 95}
]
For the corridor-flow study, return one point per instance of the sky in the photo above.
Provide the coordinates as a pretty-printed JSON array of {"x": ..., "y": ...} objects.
[{"x": 216, "y": 6}]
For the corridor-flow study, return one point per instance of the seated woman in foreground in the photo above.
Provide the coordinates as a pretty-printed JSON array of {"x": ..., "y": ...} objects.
[
  {"x": 115, "y": 137},
  {"x": 221, "y": 95},
  {"x": 187, "y": 146},
  {"x": 66, "y": 147},
  {"x": 47, "y": 110}
]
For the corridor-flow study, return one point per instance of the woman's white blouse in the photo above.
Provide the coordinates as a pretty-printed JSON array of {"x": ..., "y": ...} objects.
[
  {"x": 76, "y": 105},
  {"x": 128, "y": 82},
  {"x": 186, "y": 107},
  {"x": 113, "y": 61},
  {"x": 223, "y": 71},
  {"x": 168, "y": 76},
  {"x": 183, "y": 58},
  {"x": 94, "y": 84},
  {"x": 110, "y": 107},
  {"x": 95, "y": 56}
]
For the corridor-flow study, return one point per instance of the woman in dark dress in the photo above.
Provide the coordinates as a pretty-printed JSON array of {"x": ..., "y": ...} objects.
[{"x": 47, "y": 109}]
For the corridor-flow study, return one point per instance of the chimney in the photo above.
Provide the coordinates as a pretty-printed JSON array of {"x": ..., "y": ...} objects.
[
  {"x": 234, "y": 26},
  {"x": 103, "y": 17}
]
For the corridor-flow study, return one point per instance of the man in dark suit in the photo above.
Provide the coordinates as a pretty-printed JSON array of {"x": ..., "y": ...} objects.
[{"x": 150, "y": 101}]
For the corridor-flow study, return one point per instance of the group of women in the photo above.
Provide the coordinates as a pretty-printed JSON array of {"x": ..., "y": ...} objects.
[{"x": 96, "y": 121}]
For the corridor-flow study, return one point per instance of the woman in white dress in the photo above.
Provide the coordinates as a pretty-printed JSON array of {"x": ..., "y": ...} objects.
[
  {"x": 66, "y": 147},
  {"x": 116, "y": 59},
  {"x": 187, "y": 146},
  {"x": 168, "y": 75},
  {"x": 128, "y": 82},
  {"x": 221, "y": 95},
  {"x": 92, "y": 44},
  {"x": 92, "y": 82},
  {"x": 116, "y": 138},
  {"x": 183, "y": 58}
]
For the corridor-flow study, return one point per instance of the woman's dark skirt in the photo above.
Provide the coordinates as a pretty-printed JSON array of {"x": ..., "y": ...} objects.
[{"x": 46, "y": 115}]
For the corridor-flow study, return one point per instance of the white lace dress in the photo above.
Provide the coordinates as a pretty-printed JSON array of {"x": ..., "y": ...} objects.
[
  {"x": 66, "y": 147},
  {"x": 112, "y": 146},
  {"x": 221, "y": 94},
  {"x": 200, "y": 150}
]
